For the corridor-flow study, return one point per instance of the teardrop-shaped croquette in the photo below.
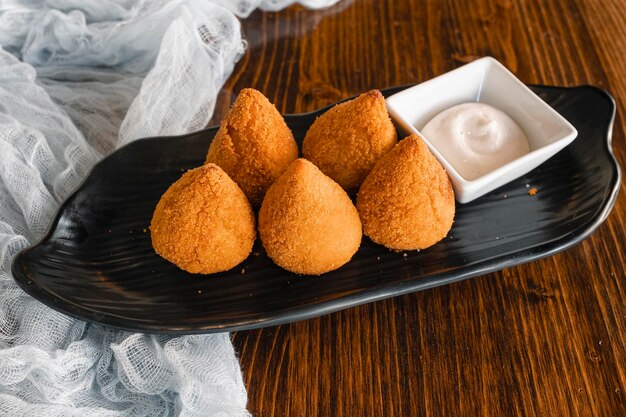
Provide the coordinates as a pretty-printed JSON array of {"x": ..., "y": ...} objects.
[
  {"x": 307, "y": 222},
  {"x": 253, "y": 144},
  {"x": 407, "y": 201},
  {"x": 347, "y": 140},
  {"x": 203, "y": 223}
]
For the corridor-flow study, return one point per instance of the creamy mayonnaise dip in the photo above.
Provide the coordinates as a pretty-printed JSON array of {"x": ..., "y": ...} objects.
[{"x": 476, "y": 138}]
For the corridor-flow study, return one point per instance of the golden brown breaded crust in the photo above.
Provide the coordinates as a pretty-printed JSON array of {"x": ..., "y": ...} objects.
[
  {"x": 253, "y": 144},
  {"x": 307, "y": 222},
  {"x": 347, "y": 140},
  {"x": 204, "y": 222},
  {"x": 407, "y": 202}
]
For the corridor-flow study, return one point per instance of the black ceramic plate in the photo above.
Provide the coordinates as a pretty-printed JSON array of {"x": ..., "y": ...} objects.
[{"x": 97, "y": 263}]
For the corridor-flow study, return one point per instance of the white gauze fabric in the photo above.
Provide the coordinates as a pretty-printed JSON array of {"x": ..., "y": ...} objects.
[{"x": 78, "y": 79}]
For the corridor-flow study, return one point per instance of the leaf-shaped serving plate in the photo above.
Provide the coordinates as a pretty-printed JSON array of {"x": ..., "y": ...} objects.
[{"x": 97, "y": 263}]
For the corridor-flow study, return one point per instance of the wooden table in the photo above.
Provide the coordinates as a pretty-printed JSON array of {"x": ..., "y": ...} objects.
[{"x": 542, "y": 339}]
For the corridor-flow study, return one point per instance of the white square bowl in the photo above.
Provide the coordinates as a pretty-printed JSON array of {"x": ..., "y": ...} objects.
[{"x": 485, "y": 81}]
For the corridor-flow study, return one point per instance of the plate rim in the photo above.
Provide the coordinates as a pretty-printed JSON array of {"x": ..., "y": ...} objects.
[{"x": 376, "y": 293}]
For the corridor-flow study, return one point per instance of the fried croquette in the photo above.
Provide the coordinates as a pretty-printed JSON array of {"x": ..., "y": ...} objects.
[
  {"x": 203, "y": 223},
  {"x": 406, "y": 202},
  {"x": 253, "y": 144},
  {"x": 307, "y": 222},
  {"x": 347, "y": 140}
]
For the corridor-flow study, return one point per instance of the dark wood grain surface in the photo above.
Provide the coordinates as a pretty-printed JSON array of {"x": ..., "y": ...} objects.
[{"x": 543, "y": 339}]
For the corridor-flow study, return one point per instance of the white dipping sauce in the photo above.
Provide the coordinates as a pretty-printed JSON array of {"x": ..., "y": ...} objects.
[{"x": 476, "y": 138}]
